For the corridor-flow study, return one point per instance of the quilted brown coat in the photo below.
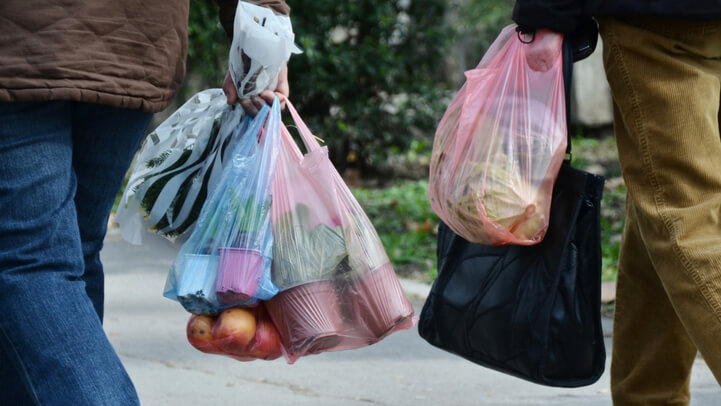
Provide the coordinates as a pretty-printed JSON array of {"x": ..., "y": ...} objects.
[{"x": 128, "y": 53}]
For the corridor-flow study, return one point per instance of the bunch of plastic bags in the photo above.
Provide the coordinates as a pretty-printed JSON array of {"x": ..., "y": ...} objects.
[
  {"x": 283, "y": 260},
  {"x": 498, "y": 148},
  {"x": 279, "y": 258}
]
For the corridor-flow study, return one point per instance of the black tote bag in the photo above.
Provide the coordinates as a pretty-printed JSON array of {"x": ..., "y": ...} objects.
[{"x": 533, "y": 312}]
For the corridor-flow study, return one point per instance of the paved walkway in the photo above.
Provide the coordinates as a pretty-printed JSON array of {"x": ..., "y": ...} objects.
[{"x": 148, "y": 331}]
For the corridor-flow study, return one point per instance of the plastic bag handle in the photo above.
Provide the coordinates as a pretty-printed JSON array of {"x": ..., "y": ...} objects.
[
  {"x": 567, "y": 55},
  {"x": 305, "y": 134},
  {"x": 290, "y": 145}
]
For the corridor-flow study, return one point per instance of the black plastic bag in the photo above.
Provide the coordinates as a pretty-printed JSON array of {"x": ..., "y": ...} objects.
[
  {"x": 528, "y": 311},
  {"x": 533, "y": 312}
]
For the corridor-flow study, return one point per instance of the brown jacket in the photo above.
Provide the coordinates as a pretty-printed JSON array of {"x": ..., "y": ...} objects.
[{"x": 128, "y": 53}]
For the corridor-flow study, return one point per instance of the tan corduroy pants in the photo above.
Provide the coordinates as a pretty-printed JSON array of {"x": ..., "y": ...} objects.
[{"x": 665, "y": 77}]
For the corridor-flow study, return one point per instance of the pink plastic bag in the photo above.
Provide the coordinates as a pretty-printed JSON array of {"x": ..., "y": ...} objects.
[
  {"x": 498, "y": 148},
  {"x": 337, "y": 286}
]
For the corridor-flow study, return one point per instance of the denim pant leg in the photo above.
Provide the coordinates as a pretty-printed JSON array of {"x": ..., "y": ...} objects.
[
  {"x": 105, "y": 140},
  {"x": 54, "y": 346}
]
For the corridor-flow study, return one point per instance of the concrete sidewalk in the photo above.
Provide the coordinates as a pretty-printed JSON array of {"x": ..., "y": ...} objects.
[{"x": 148, "y": 332}]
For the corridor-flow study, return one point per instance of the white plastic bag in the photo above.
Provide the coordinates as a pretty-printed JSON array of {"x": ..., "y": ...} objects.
[
  {"x": 262, "y": 45},
  {"x": 178, "y": 165}
]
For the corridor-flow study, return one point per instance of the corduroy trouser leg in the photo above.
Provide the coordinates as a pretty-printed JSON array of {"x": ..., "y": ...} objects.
[{"x": 665, "y": 77}]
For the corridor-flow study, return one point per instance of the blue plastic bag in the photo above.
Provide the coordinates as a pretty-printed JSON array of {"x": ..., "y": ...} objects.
[{"x": 226, "y": 261}]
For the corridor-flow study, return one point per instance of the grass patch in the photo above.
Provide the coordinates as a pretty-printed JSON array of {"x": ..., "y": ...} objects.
[
  {"x": 406, "y": 224},
  {"x": 600, "y": 156},
  {"x": 612, "y": 223}
]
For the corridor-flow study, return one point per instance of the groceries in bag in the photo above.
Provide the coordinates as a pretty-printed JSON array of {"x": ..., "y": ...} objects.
[
  {"x": 498, "y": 148},
  {"x": 226, "y": 261}
]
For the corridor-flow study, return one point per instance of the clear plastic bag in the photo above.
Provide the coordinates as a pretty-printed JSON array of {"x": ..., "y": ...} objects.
[
  {"x": 337, "y": 287},
  {"x": 226, "y": 260},
  {"x": 177, "y": 167},
  {"x": 498, "y": 148}
]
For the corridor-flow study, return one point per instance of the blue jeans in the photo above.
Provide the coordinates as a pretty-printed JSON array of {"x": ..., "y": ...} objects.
[{"x": 61, "y": 165}]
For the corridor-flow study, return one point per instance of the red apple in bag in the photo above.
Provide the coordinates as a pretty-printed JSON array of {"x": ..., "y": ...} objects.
[
  {"x": 199, "y": 332},
  {"x": 266, "y": 344},
  {"x": 234, "y": 330}
]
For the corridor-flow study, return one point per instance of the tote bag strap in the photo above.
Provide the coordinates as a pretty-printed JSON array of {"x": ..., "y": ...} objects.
[{"x": 567, "y": 79}]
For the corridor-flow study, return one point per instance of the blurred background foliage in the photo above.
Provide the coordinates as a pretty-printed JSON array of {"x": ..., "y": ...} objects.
[
  {"x": 373, "y": 81},
  {"x": 371, "y": 77},
  {"x": 374, "y": 75}
]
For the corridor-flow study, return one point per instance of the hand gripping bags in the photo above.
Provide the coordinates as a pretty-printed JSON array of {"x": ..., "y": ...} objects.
[
  {"x": 498, "y": 148},
  {"x": 181, "y": 161}
]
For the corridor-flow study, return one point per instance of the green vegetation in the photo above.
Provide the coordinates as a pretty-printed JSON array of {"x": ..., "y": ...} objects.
[
  {"x": 406, "y": 224},
  {"x": 479, "y": 22},
  {"x": 207, "y": 46},
  {"x": 612, "y": 222},
  {"x": 598, "y": 155},
  {"x": 372, "y": 74}
]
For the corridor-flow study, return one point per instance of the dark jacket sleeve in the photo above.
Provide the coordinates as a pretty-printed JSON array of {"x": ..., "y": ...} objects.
[
  {"x": 557, "y": 15},
  {"x": 226, "y": 11}
]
